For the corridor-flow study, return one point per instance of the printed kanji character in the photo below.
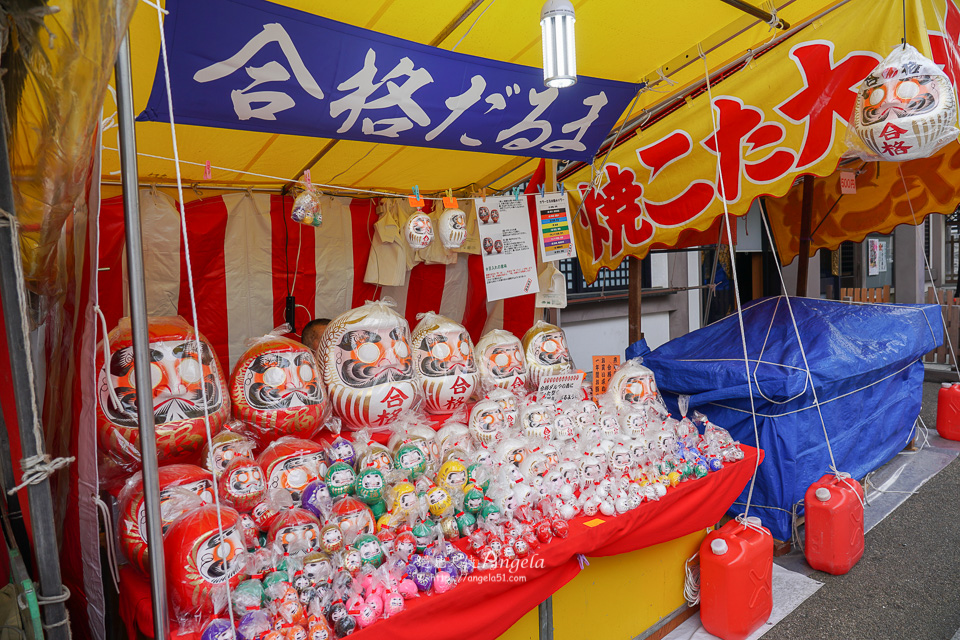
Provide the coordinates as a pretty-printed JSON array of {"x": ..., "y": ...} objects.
[
  {"x": 394, "y": 398},
  {"x": 692, "y": 201},
  {"x": 897, "y": 148},
  {"x": 362, "y": 86},
  {"x": 386, "y": 417},
  {"x": 459, "y": 104},
  {"x": 614, "y": 213},
  {"x": 454, "y": 403},
  {"x": 596, "y": 103},
  {"x": 460, "y": 386},
  {"x": 828, "y": 95},
  {"x": 540, "y": 101},
  {"x": 740, "y": 126},
  {"x": 273, "y": 71},
  {"x": 892, "y": 132}
]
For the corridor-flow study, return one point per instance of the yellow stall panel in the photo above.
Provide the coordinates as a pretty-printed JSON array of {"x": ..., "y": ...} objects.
[{"x": 617, "y": 597}]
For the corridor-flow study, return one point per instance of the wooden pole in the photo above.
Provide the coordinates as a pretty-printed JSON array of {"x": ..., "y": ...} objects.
[
  {"x": 636, "y": 299},
  {"x": 806, "y": 215}
]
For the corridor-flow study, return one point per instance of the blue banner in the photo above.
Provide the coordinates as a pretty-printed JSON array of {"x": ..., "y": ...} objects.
[{"x": 258, "y": 66}]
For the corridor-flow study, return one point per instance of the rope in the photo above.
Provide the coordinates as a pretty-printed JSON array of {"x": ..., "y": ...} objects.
[
  {"x": 736, "y": 284},
  {"x": 36, "y": 469},
  {"x": 104, "y": 511},
  {"x": 926, "y": 262},
  {"x": 193, "y": 297},
  {"x": 691, "y": 581},
  {"x": 106, "y": 342}
]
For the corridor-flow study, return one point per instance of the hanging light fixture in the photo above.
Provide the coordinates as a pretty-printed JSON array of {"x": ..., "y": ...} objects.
[{"x": 559, "y": 45}]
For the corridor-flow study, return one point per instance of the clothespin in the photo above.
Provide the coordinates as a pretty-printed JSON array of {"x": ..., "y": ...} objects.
[
  {"x": 415, "y": 200},
  {"x": 483, "y": 194},
  {"x": 540, "y": 189},
  {"x": 562, "y": 189},
  {"x": 307, "y": 182},
  {"x": 449, "y": 202},
  {"x": 207, "y": 171},
  {"x": 516, "y": 192}
]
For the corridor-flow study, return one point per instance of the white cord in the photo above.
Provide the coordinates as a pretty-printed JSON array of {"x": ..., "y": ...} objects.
[
  {"x": 296, "y": 266},
  {"x": 926, "y": 261},
  {"x": 106, "y": 345},
  {"x": 104, "y": 511},
  {"x": 193, "y": 297},
  {"x": 691, "y": 581},
  {"x": 472, "y": 25},
  {"x": 736, "y": 284}
]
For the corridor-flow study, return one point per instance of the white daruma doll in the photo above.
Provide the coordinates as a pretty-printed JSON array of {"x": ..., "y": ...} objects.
[
  {"x": 443, "y": 353},
  {"x": 500, "y": 359},
  {"x": 632, "y": 385},
  {"x": 276, "y": 387},
  {"x": 545, "y": 352},
  {"x": 368, "y": 366},
  {"x": 186, "y": 381}
]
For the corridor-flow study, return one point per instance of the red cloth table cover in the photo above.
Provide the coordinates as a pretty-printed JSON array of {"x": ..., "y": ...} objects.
[{"x": 488, "y": 603}]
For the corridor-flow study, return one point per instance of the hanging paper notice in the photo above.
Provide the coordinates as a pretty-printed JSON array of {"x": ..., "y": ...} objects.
[
  {"x": 565, "y": 386},
  {"x": 509, "y": 263},
  {"x": 556, "y": 235},
  {"x": 873, "y": 262},
  {"x": 603, "y": 368}
]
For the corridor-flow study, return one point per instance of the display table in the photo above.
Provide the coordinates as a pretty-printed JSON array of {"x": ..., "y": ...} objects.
[{"x": 488, "y": 603}]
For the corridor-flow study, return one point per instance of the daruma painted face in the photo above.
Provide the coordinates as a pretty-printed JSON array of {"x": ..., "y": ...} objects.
[
  {"x": 545, "y": 352},
  {"x": 276, "y": 387},
  {"x": 184, "y": 376},
  {"x": 444, "y": 359},
  {"x": 500, "y": 359},
  {"x": 631, "y": 385},
  {"x": 905, "y": 109},
  {"x": 368, "y": 366}
]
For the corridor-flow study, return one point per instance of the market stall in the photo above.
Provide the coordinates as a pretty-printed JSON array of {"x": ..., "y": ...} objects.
[{"x": 244, "y": 273}]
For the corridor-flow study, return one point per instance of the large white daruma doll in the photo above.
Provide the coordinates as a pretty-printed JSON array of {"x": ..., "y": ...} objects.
[
  {"x": 545, "y": 352},
  {"x": 186, "y": 381},
  {"x": 276, "y": 388},
  {"x": 500, "y": 359},
  {"x": 368, "y": 366},
  {"x": 443, "y": 355},
  {"x": 905, "y": 109},
  {"x": 632, "y": 385}
]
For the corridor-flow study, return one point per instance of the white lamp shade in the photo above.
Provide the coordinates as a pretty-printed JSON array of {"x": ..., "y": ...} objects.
[{"x": 559, "y": 44}]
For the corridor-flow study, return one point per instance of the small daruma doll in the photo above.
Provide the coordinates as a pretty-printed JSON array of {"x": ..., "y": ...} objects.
[
  {"x": 186, "y": 381},
  {"x": 200, "y": 560},
  {"x": 276, "y": 388},
  {"x": 500, "y": 359},
  {"x": 452, "y": 228},
  {"x": 419, "y": 231},
  {"x": 545, "y": 352},
  {"x": 632, "y": 385},
  {"x": 443, "y": 352},
  {"x": 368, "y": 366},
  {"x": 905, "y": 109}
]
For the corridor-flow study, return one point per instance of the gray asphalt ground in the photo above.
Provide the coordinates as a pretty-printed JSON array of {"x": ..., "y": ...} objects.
[{"x": 907, "y": 585}]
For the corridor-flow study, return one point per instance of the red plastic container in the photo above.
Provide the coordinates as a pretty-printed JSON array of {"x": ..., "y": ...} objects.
[
  {"x": 833, "y": 509},
  {"x": 736, "y": 580},
  {"x": 948, "y": 411}
]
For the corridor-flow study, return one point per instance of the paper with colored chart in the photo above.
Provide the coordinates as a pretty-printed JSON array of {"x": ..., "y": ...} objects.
[{"x": 556, "y": 235}]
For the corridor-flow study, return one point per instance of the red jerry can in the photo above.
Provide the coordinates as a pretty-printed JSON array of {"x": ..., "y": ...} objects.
[
  {"x": 736, "y": 579},
  {"x": 948, "y": 411},
  {"x": 833, "y": 508}
]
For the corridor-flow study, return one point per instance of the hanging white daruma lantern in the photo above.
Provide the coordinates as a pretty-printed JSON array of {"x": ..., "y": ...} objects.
[
  {"x": 545, "y": 352},
  {"x": 368, "y": 366},
  {"x": 906, "y": 109},
  {"x": 500, "y": 359},
  {"x": 452, "y": 228},
  {"x": 419, "y": 231},
  {"x": 443, "y": 354}
]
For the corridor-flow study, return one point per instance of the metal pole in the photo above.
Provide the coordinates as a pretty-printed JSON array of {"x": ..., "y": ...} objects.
[
  {"x": 141, "y": 342},
  {"x": 545, "y": 614},
  {"x": 635, "y": 300},
  {"x": 15, "y": 305}
]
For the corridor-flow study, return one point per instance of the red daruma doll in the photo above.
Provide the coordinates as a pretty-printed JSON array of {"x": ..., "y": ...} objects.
[
  {"x": 184, "y": 376},
  {"x": 201, "y": 560},
  {"x": 368, "y": 366}
]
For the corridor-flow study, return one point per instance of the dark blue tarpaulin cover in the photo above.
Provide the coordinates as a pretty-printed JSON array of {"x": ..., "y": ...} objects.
[{"x": 864, "y": 361}]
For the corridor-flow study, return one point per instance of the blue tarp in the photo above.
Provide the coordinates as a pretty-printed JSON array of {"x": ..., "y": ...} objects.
[{"x": 864, "y": 361}]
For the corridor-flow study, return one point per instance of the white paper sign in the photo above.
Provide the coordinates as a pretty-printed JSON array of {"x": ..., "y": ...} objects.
[
  {"x": 506, "y": 244},
  {"x": 564, "y": 386},
  {"x": 555, "y": 228},
  {"x": 873, "y": 257}
]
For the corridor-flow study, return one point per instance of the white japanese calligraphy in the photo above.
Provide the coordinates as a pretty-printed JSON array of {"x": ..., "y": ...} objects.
[
  {"x": 595, "y": 103},
  {"x": 276, "y": 101},
  {"x": 459, "y": 104},
  {"x": 539, "y": 100}
]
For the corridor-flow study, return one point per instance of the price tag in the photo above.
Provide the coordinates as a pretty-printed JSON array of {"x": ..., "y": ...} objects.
[
  {"x": 565, "y": 386},
  {"x": 603, "y": 368},
  {"x": 848, "y": 182}
]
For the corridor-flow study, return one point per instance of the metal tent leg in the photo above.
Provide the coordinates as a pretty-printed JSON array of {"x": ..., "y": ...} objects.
[
  {"x": 141, "y": 342},
  {"x": 545, "y": 613}
]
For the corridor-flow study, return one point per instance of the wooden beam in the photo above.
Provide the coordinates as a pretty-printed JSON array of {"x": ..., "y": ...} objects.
[
  {"x": 806, "y": 216},
  {"x": 635, "y": 299},
  {"x": 756, "y": 266}
]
